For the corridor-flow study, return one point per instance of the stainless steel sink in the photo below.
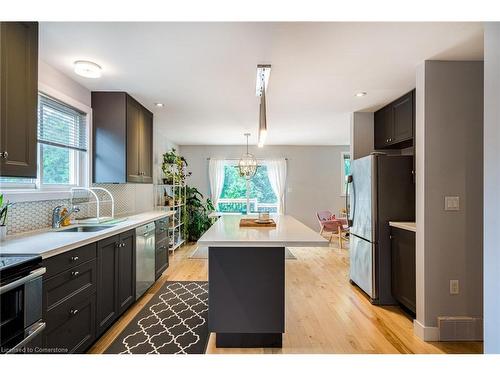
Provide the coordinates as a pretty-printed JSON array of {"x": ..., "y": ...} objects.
[{"x": 86, "y": 228}]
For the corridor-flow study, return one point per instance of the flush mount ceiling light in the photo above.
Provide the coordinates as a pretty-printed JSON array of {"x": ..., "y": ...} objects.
[
  {"x": 263, "y": 73},
  {"x": 159, "y": 105},
  {"x": 87, "y": 69},
  {"x": 248, "y": 163},
  {"x": 360, "y": 94}
]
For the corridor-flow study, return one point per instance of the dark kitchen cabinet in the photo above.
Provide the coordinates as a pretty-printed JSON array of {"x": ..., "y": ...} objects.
[
  {"x": 115, "y": 278},
  {"x": 161, "y": 248},
  {"x": 395, "y": 122},
  {"x": 123, "y": 139},
  {"x": 69, "y": 301},
  {"x": 18, "y": 98},
  {"x": 383, "y": 127},
  {"x": 403, "y": 280},
  {"x": 126, "y": 271}
]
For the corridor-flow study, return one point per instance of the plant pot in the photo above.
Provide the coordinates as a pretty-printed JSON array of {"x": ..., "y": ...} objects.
[{"x": 3, "y": 232}]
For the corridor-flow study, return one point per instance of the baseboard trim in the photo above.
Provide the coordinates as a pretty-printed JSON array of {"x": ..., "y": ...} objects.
[{"x": 425, "y": 333}]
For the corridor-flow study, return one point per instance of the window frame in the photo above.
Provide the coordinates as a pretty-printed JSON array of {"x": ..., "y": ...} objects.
[
  {"x": 83, "y": 166},
  {"x": 343, "y": 189}
]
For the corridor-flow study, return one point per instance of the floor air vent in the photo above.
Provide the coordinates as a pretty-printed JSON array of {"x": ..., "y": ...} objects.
[{"x": 460, "y": 328}]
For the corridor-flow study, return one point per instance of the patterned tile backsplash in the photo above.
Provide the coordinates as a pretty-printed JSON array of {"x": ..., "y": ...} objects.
[{"x": 129, "y": 199}]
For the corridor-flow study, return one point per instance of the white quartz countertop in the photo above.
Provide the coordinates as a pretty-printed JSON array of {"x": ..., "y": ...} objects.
[
  {"x": 407, "y": 225},
  {"x": 289, "y": 231},
  {"x": 50, "y": 242}
]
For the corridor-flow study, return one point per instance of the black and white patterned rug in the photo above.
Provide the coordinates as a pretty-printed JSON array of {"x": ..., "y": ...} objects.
[{"x": 174, "y": 321}]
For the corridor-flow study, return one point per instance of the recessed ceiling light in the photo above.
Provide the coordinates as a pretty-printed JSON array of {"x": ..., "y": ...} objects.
[
  {"x": 159, "y": 105},
  {"x": 87, "y": 69},
  {"x": 360, "y": 94}
]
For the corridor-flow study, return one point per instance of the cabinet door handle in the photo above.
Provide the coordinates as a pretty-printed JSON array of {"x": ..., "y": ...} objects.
[
  {"x": 4, "y": 155},
  {"x": 73, "y": 312},
  {"x": 74, "y": 258},
  {"x": 75, "y": 273}
]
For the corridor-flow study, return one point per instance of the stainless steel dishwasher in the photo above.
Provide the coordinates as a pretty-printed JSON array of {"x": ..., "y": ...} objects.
[{"x": 145, "y": 258}]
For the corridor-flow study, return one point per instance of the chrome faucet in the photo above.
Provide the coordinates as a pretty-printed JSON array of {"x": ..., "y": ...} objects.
[{"x": 57, "y": 218}]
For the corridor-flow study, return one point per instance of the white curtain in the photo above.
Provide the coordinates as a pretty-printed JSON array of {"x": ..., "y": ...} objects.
[
  {"x": 276, "y": 170},
  {"x": 216, "y": 177}
]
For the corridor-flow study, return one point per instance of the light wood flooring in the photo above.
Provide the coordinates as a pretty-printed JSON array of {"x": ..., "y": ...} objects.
[{"x": 324, "y": 312}]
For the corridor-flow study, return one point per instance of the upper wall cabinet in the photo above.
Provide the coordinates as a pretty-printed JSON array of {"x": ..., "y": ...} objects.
[
  {"x": 123, "y": 139},
  {"x": 395, "y": 122},
  {"x": 18, "y": 98}
]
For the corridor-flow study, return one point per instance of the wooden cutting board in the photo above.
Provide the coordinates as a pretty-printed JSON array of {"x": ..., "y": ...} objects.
[{"x": 248, "y": 223}]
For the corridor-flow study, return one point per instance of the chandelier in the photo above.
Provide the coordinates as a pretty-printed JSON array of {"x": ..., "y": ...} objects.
[{"x": 247, "y": 164}]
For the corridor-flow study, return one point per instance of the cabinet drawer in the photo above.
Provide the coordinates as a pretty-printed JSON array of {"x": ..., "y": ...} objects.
[
  {"x": 78, "y": 279},
  {"x": 161, "y": 258},
  {"x": 161, "y": 229},
  {"x": 69, "y": 259},
  {"x": 71, "y": 325}
]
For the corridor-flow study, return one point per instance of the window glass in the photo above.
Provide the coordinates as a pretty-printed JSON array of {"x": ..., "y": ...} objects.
[
  {"x": 56, "y": 165},
  {"x": 346, "y": 170},
  {"x": 262, "y": 197},
  {"x": 237, "y": 192}
]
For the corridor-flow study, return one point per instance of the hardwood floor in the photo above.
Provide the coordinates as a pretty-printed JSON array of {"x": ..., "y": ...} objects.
[{"x": 324, "y": 312}]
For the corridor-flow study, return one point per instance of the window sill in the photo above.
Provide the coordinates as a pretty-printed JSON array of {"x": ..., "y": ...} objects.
[{"x": 25, "y": 195}]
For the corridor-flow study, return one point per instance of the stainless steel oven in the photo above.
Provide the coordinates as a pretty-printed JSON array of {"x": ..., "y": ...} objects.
[{"x": 20, "y": 303}]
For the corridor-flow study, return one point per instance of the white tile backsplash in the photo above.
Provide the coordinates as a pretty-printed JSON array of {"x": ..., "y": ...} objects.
[{"x": 129, "y": 199}]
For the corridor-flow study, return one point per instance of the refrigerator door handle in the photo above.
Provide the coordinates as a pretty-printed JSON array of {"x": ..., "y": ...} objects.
[{"x": 350, "y": 210}]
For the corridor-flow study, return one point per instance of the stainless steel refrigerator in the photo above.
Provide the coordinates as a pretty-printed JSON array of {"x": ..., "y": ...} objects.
[{"x": 381, "y": 189}]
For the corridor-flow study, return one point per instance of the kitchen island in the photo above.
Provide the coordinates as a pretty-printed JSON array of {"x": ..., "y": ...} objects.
[{"x": 246, "y": 272}]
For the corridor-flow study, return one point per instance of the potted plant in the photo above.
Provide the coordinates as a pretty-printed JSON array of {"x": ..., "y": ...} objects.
[
  {"x": 196, "y": 214},
  {"x": 4, "y": 210}
]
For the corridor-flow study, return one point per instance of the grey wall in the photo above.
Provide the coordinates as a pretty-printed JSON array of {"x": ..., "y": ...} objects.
[
  {"x": 362, "y": 128},
  {"x": 313, "y": 181},
  {"x": 491, "y": 187},
  {"x": 449, "y": 163}
]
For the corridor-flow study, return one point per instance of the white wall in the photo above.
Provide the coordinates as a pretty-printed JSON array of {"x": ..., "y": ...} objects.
[
  {"x": 313, "y": 181},
  {"x": 491, "y": 187},
  {"x": 62, "y": 83},
  {"x": 449, "y": 135},
  {"x": 140, "y": 196}
]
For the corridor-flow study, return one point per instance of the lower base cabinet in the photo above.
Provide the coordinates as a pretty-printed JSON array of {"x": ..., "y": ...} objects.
[
  {"x": 161, "y": 247},
  {"x": 403, "y": 278},
  {"x": 115, "y": 278},
  {"x": 85, "y": 290},
  {"x": 69, "y": 301}
]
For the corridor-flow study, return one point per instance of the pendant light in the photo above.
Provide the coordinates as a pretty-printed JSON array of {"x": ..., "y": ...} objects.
[
  {"x": 262, "y": 119},
  {"x": 247, "y": 164}
]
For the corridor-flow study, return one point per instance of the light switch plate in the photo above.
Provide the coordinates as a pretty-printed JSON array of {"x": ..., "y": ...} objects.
[
  {"x": 451, "y": 203},
  {"x": 454, "y": 287}
]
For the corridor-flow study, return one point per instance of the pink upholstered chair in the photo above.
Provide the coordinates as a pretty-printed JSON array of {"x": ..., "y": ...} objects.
[{"x": 328, "y": 223}]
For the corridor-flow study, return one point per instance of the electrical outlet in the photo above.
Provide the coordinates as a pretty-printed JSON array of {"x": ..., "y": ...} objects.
[
  {"x": 454, "y": 287},
  {"x": 451, "y": 203}
]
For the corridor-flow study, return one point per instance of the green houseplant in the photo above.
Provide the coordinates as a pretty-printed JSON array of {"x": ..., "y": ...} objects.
[
  {"x": 174, "y": 168},
  {"x": 4, "y": 210},
  {"x": 196, "y": 214}
]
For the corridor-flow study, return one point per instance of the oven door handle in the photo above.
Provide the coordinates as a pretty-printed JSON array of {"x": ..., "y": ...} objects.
[
  {"x": 35, "y": 330},
  {"x": 32, "y": 275}
]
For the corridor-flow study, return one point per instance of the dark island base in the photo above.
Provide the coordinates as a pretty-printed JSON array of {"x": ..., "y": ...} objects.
[
  {"x": 246, "y": 296},
  {"x": 249, "y": 340}
]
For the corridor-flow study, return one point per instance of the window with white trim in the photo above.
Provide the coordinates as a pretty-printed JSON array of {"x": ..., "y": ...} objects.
[
  {"x": 345, "y": 170},
  {"x": 62, "y": 148}
]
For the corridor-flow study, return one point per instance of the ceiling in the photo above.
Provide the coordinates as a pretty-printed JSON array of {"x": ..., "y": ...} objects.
[{"x": 204, "y": 73}]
